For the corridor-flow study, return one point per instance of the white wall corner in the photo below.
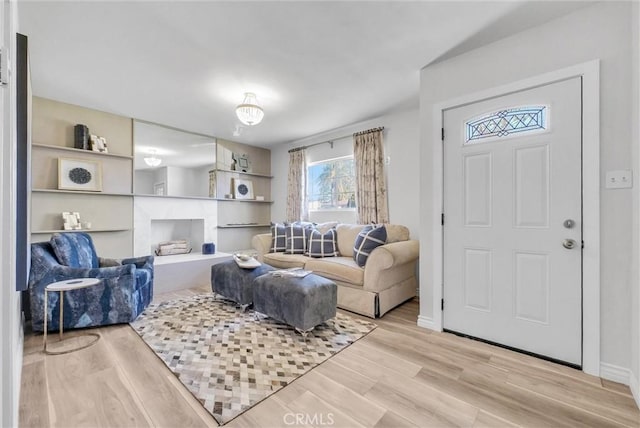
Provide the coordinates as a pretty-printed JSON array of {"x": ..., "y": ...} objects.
[
  {"x": 426, "y": 322},
  {"x": 615, "y": 374},
  {"x": 634, "y": 385}
]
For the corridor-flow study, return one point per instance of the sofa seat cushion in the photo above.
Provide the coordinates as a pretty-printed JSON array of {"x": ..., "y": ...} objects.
[
  {"x": 285, "y": 261},
  {"x": 342, "y": 269}
]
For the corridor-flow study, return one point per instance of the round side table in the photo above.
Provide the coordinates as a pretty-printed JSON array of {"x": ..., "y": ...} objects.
[{"x": 61, "y": 287}]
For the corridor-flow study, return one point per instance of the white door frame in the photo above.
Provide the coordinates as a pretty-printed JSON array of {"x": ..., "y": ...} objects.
[{"x": 590, "y": 73}]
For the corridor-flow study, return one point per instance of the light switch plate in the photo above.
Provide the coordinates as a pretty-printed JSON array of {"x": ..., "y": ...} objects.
[{"x": 621, "y": 179}]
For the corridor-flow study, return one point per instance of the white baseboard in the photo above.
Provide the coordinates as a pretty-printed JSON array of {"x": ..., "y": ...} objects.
[
  {"x": 425, "y": 322},
  {"x": 622, "y": 375},
  {"x": 634, "y": 385},
  {"x": 615, "y": 373}
]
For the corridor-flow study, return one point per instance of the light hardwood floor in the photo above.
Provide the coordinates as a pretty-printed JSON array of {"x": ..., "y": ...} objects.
[{"x": 399, "y": 375}]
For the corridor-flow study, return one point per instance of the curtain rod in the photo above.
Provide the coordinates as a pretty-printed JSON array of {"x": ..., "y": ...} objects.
[
  {"x": 369, "y": 131},
  {"x": 337, "y": 138},
  {"x": 297, "y": 149}
]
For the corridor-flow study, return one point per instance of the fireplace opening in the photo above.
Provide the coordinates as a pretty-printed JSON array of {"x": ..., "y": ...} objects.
[{"x": 168, "y": 230}]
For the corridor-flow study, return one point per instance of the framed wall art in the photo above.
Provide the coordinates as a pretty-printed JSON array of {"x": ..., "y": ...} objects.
[
  {"x": 242, "y": 189},
  {"x": 79, "y": 174}
]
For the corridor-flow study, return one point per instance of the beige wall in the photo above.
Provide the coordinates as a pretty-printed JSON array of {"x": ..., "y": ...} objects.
[{"x": 54, "y": 121}]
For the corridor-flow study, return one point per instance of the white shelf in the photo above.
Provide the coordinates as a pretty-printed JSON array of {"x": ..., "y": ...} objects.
[
  {"x": 252, "y": 174},
  {"x": 41, "y": 232},
  {"x": 80, "y": 192},
  {"x": 237, "y": 226},
  {"x": 243, "y": 200},
  {"x": 74, "y": 150}
]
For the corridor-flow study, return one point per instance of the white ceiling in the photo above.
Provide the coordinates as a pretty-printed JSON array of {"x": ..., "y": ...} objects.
[{"x": 315, "y": 66}]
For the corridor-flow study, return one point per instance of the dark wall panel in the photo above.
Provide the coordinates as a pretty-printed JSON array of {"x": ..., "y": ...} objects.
[{"x": 23, "y": 134}]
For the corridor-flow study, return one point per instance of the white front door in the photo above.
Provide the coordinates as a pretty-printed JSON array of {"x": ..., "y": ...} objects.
[{"x": 513, "y": 220}]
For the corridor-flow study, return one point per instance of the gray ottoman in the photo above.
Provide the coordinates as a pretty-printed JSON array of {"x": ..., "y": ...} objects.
[
  {"x": 235, "y": 283},
  {"x": 300, "y": 302}
]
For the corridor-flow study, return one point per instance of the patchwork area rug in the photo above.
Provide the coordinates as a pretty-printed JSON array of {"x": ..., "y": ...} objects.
[{"x": 229, "y": 360}]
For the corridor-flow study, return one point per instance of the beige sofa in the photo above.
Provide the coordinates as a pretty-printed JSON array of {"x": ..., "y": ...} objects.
[{"x": 388, "y": 278}]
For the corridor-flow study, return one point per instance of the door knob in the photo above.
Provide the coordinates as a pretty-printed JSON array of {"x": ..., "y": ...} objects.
[{"x": 568, "y": 244}]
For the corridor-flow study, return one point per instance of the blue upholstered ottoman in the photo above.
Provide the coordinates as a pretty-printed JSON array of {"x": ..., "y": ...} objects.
[
  {"x": 235, "y": 283},
  {"x": 299, "y": 302}
]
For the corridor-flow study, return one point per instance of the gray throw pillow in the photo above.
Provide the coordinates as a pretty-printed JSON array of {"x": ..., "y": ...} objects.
[
  {"x": 297, "y": 238},
  {"x": 369, "y": 238},
  {"x": 323, "y": 244},
  {"x": 278, "y": 238}
]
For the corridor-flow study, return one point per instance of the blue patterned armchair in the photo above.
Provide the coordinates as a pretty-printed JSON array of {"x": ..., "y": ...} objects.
[{"x": 125, "y": 291}]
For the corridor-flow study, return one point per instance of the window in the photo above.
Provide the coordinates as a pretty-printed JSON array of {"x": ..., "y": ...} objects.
[
  {"x": 331, "y": 184},
  {"x": 506, "y": 122}
]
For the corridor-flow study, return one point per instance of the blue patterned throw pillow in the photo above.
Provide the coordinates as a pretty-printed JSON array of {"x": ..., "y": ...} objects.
[
  {"x": 297, "y": 238},
  {"x": 323, "y": 244},
  {"x": 278, "y": 238},
  {"x": 369, "y": 238},
  {"x": 75, "y": 250}
]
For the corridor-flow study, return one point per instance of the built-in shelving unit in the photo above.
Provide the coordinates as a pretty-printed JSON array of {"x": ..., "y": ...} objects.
[
  {"x": 240, "y": 219},
  {"x": 231, "y": 223},
  {"x": 109, "y": 211}
]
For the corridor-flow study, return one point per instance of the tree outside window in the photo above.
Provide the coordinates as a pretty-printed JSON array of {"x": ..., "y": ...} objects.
[{"x": 331, "y": 184}]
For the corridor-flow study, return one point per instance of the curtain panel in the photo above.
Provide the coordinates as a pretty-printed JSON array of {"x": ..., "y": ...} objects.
[
  {"x": 296, "y": 187},
  {"x": 371, "y": 186}
]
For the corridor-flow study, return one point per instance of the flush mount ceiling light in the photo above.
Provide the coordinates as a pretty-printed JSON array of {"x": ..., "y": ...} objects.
[
  {"x": 249, "y": 112},
  {"x": 152, "y": 160}
]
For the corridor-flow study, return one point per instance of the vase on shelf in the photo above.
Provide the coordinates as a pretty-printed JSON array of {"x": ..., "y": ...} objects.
[{"x": 208, "y": 248}]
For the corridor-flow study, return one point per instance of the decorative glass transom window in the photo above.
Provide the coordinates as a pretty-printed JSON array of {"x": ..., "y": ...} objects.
[{"x": 506, "y": 122}]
